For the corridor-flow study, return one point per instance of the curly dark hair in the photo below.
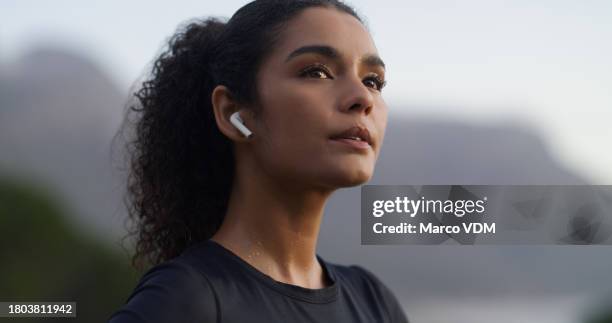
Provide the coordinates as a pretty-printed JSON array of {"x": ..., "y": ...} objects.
[{"x": 181, "y": 166}]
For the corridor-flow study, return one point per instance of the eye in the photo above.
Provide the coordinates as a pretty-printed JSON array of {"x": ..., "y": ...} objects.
[
  {"x": 319, "y": 71},
  {"x": 375, "y": 82}
]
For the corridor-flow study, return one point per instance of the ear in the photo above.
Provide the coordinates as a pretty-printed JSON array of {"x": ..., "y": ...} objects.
[{"x": 223, "y": 107}]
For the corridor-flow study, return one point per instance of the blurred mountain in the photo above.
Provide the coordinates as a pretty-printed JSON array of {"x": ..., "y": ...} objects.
[
  {"x": 58, "y": 113},
  {"x": 429, "y": 151}
]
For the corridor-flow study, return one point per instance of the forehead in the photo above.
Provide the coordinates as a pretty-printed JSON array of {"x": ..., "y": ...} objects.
[{"x": 326, "y": 26}]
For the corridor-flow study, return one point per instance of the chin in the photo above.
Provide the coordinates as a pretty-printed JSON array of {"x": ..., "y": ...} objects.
[{"x": 352, "y": 177}]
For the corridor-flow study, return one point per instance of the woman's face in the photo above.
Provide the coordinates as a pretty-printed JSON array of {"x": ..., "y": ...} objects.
[{"x": 321, "y": 80}]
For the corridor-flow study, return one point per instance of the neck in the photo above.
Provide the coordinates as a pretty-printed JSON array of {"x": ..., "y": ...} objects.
[{"x": 274, "y": 226}]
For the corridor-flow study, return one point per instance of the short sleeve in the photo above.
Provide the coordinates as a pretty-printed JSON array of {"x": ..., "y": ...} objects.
[
  {"x": 394, "y": 309},
  {"x": 170, "y": 292}
]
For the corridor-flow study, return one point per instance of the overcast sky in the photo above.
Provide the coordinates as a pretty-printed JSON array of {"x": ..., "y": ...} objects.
[{"x": 542, "y": 63}]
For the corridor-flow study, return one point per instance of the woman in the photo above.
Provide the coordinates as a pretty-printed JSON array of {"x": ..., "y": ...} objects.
[{"x": 229, "y": 208}]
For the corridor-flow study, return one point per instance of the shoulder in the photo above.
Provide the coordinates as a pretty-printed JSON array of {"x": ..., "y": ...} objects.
[
  {"x": 370, "y": 279},
  {"x": 358, "y": 276},
  {"x": 363, "y": 280},
  {"x": 173, "y": 291}
]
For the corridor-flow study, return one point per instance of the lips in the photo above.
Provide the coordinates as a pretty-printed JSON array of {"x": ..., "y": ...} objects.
[{"x": 355, "y": 133}]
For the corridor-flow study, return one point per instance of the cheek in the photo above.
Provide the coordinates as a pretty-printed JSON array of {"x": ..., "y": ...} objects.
[
  {"x": 380, "y": 121},
  {"x": 297, "y": 112},
  {"x": 296, "y": 123}
]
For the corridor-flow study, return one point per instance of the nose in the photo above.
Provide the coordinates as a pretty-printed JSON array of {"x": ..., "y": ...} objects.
[{"x": 357, "y": 98}]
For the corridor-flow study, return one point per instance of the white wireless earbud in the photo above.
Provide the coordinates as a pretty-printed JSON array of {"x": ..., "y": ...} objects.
[{"x": 239, "y": 124}]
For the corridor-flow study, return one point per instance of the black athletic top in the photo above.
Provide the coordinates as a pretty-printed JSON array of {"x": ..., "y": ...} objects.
[{"x": 209, "y": 283}]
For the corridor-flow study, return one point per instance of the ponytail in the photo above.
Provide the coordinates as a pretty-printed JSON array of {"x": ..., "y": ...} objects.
[{"x": 181, "y": 164}]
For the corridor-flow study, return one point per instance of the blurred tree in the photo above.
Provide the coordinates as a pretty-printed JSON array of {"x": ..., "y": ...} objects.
[
  {"x": 44, "y": 258},
  {"x": 604, "y": 316}
]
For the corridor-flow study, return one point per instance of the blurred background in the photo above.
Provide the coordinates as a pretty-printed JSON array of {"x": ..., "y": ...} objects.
[{"x": 480, "y": 92}]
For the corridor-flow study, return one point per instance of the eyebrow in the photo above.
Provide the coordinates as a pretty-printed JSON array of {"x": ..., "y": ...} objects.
[{"x": 330, "y": 52}]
